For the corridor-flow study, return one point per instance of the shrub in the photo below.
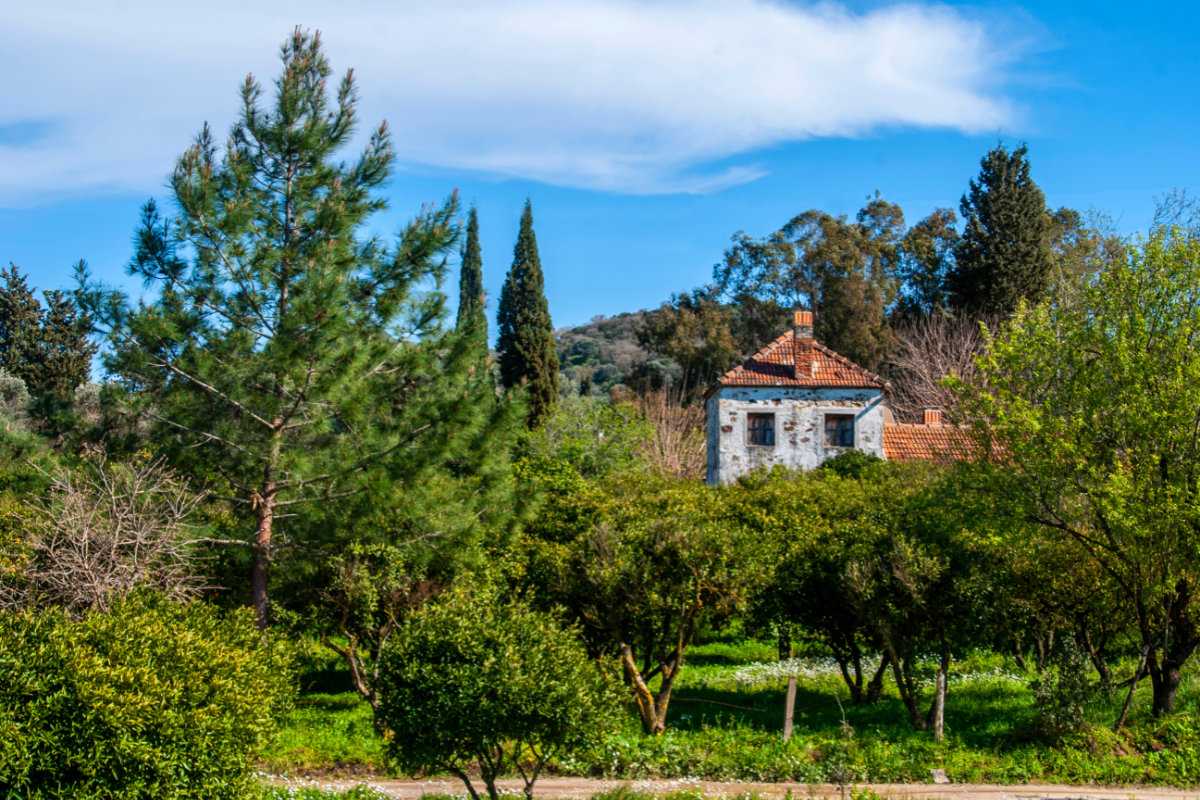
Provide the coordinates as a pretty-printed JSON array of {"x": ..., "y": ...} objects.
[
  {"x": 107, "y": 529},
  {"x": 1062, "y": 697},
  {"x": 471, "y": 679},
  {"x": 853, "y": 464},
  {"x": 149, "y": 700}
]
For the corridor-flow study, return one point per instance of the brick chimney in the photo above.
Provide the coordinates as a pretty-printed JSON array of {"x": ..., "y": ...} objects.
[
  {"x": 933, "y": 417},
  {"x": 803, "y": 322},
  {"x": 805, "y": 357}
]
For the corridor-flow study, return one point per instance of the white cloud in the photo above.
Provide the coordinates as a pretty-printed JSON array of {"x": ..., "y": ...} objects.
[{"x": 637, "y": 96}]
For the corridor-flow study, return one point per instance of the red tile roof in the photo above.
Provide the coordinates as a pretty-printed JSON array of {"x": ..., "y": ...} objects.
[
  {"x": 821, "y": 368},
  {"x": 903, "y": 442}
]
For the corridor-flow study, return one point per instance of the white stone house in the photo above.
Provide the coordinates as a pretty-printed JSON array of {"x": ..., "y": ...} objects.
[{"x": 796, "y": 403}]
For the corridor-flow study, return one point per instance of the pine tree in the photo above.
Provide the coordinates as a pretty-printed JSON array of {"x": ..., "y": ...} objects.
[
  {"x": 20, "y": 328},
  {"x": 1002, "y": 257},
  {"x": 64, "y": 350},
  {"x": 471, "y": 318},
  {"x": 297, "y": 369},
  {"x": 526, "y": 336}
]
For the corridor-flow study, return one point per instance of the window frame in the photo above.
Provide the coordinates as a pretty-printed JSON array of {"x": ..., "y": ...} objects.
[
  {"x": 752, "y": 431},
  {"x": 853, "y": 420}
]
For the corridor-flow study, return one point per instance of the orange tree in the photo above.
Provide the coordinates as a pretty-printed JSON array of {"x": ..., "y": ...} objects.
[{"x": 641, "y": 562}]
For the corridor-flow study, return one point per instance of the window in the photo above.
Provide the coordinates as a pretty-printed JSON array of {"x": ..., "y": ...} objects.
[
  {"x": 760, "y": 429},
  {"x": 839, "y": 430}
]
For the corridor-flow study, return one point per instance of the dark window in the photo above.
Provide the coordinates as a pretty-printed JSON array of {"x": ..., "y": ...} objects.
[
  {"x": 760, "y": 429},
  {"x": 839, "y": 430}
]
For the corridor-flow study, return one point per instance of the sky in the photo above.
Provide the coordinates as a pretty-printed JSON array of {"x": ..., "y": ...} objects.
[{"x": 644, "y": 132}]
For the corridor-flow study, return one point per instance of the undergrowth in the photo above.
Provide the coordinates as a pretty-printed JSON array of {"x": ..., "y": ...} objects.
[{"x": 727, "y": 714}]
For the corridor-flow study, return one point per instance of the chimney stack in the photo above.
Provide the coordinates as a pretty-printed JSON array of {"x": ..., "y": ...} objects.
[
  {"x": 933, "y": 417},
  {"x": 803, "y": 322}
]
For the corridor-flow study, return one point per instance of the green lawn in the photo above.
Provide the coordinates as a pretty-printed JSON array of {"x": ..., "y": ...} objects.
[{"x": 727, "y": 714}]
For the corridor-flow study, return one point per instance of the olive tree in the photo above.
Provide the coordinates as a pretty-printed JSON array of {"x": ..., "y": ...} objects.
[{"x": 471, "y": 678}]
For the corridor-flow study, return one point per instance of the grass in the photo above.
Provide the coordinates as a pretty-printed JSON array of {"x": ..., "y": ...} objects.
[{"x": 727, "y": 714}]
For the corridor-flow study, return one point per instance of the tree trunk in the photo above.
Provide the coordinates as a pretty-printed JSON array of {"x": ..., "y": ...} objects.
[
  {"x": 264, "y": 514},
  {"x": 789, "y": 708},
  {"x": 1181, "y": 637},
  {"x": 1133, "y": 684},
  {"x": 1018, "y": 656},
  {"x": 904, "y": 685},
  {"x": 938, "y": 712},
  {"x": 1094, "y": 654},
  {"x": 875, "y": 687},
  {"x": 852, "y": 656},
  {"x": 786, "y": 651},
  {"x": 653, "y": 711},
  {"x": 1165, "y": 680}
]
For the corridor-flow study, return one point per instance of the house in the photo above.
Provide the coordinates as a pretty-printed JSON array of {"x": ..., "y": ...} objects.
[{"x": 796, "y": 403}]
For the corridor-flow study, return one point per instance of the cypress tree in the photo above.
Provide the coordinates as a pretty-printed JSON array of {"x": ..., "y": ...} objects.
[
  {"x": 471, "y": 319},
  {"x": 20, "y": 328},
  {"x": 526, "y": 337},
  {"x": 65, "y": 352},
  {"x": 1002, "y": 257}
]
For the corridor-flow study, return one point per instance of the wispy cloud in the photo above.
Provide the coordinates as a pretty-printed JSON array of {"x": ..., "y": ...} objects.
[{"x": 634, "y": 96}]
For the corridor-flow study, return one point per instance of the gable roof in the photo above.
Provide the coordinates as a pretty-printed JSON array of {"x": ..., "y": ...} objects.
[
  {"x": 904, "y": 442},
  {"x": 775, "y": 365}
]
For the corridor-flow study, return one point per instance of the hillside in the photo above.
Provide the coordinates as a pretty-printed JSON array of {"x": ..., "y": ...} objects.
[{"x": 606, "y": 352}]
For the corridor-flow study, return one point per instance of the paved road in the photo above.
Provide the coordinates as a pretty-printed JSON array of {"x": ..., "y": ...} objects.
[{"x": 582, "y": 788}]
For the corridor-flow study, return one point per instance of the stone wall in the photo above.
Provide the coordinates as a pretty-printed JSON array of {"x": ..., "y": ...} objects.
[{"x": 799, "y": 427}]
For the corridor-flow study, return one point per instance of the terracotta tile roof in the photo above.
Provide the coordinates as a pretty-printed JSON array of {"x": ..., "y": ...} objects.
[
  {"x": 820, "y": 367},
  {"x": 902, "y": 442}
]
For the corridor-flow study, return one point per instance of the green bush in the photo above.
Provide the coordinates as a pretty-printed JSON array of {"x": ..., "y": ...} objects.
[
  {"x": 1062, "y": 697},
  {"x": 149, "y": 700},
  {"x": 471, "y": 679}
]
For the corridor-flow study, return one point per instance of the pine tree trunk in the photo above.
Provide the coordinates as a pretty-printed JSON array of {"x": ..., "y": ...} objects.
[{"x": 264, "y": 515}]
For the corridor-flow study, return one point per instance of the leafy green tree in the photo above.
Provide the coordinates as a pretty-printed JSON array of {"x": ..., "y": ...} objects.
[
  {"x": 641, "y": 562},
  {"x": 1092, "y": 407},
  {"x": 526, "y": 336},
  {"x": 472, "y": 320},
  {"x": 472, "y": 679},
  {"x": 926, "y": 259},
  {"x": 697, "y": 333},
  {"x": 845, "y": 271},
  {"x": 1003, "y": 256},
  {"x": 596, "y": 435},
  {"x": 20, "y": 328},
  {"x": 296, "y": 370}
]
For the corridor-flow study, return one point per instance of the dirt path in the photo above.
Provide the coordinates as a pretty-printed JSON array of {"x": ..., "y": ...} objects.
[{"x": 582, "y": 788}]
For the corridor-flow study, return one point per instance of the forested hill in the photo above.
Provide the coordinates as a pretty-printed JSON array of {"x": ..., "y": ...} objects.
[{"x": 606, "y": 352}]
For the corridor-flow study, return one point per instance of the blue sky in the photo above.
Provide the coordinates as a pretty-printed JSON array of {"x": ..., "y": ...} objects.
[{"x": 646, "y": 132}]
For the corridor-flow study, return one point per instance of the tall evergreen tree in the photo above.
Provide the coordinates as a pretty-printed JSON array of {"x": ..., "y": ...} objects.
[
  {"x": 295, "y": 367},
  {"x": 20, "y": 327},
  {"x": 471, "y": 318},
  {"x": 65, "y": 351},
  {"x": 526, "y": 336},
  {"x": 1003, "y": 256}
]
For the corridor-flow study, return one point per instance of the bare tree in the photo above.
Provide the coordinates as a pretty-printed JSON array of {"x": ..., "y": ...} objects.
[
  {"x": 928, "y": 350},
  {"x": 676, "y": 446},
  {"x": 106, "y": 529}
]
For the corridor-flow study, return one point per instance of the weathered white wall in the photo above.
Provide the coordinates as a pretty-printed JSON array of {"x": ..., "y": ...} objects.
[{"x": 799, "y": 427}]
